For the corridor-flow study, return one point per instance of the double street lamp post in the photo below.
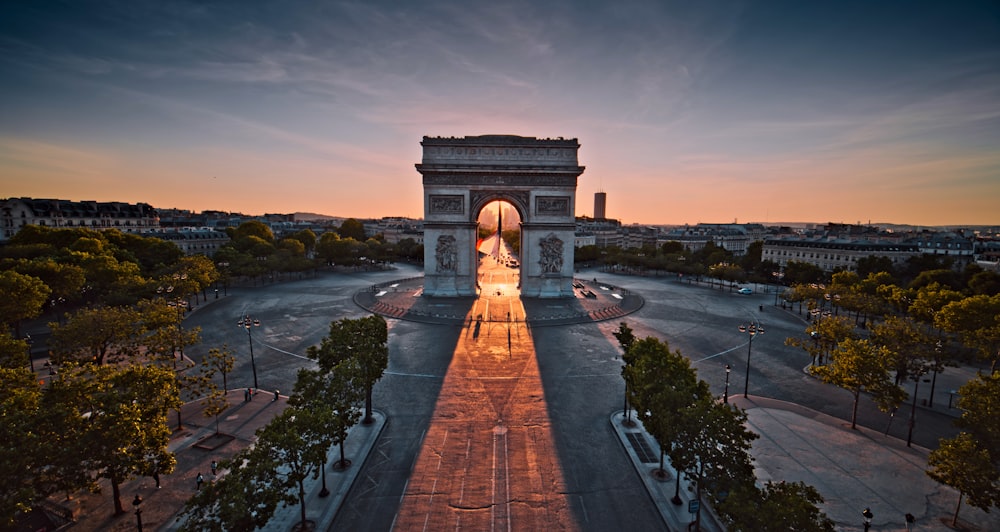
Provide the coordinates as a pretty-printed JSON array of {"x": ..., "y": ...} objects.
[
  {"x": 725, "y": 397},
  {"x": 753, "y": 330},
  {"x": 247, "y": 322},
  {"x": 136, "y": 502}
]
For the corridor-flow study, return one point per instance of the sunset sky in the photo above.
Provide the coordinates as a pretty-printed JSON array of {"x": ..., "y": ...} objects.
[{"x": 686, "y": 112}]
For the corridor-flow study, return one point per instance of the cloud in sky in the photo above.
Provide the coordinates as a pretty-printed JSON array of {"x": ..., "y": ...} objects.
[{"x": 686, "y": 111}]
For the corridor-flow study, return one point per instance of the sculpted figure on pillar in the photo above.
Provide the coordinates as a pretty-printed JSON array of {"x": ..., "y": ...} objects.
[
  {"x": 446, "y": 254},
  {"x": 552, "y": 252}
]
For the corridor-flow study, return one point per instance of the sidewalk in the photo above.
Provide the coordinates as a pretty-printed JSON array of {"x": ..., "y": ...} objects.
[
  {"x": 195, "y": 452},
  {"x": 852, "y": 469}
]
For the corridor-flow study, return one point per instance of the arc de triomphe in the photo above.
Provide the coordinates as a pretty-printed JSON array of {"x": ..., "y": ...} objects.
[{"x": 463, "y": 175}]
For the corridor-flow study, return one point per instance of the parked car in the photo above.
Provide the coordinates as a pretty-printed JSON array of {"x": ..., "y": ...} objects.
[{"x": 745, "y": 291}]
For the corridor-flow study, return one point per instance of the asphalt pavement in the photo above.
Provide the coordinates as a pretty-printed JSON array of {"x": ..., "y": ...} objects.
[{"x": 853, "y": 469}]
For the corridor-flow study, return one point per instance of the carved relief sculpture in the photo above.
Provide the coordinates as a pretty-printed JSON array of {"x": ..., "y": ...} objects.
[
  {"x": 447, "y": 204},
  {"x": 552, "y": 254},
  {"x": 446, "y": 255},
  {"x": 552, "y": 205}
]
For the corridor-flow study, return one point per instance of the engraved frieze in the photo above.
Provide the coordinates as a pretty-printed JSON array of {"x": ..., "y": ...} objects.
[
  {"x": 552, "y": 205},
  {"x": 446, "y": 204}
]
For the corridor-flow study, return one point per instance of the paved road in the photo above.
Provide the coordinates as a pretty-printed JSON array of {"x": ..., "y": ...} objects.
[{"x": 578, "y": 369}]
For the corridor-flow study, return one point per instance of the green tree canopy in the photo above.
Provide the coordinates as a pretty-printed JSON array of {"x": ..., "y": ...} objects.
[
  {"x": 976, "y": 320},
  {"x": 352, "y": 228},
  {"x": 778, "y": 507},
  {"x": 21, "y": 297},
  {"x": 860, "y": 365},
  {"x": 365, "y": 340}
]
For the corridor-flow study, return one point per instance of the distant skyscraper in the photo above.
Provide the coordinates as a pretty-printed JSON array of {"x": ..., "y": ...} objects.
[{"x": 600, "y": 205}]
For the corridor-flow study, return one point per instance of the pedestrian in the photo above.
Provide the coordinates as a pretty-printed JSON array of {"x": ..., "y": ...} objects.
[
  {"x": 156, "y": 478},
  {"x": 246, "y": 395},
  {"x": 250, "y": 393},
  {"x": 199, "y": 481},
  {"x": 275, "y": 395},
  {"x": 215, "y": 467}
]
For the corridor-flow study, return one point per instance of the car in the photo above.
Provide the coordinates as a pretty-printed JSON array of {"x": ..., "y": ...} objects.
[{"x": 745, "y": 291}]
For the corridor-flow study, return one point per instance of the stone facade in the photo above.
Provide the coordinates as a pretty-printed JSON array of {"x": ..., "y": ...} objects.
[
  {"x": 16, "y": 213},
  {"x": 462, "y": 175}
]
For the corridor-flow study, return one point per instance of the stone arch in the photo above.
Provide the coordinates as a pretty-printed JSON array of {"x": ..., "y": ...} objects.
[{"x": 462, "y": 175}]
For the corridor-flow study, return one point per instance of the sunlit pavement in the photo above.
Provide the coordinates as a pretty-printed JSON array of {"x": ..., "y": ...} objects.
[{"x": 488, "y": 460}]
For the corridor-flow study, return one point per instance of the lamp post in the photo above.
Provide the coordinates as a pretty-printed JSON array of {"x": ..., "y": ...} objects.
[
  {"x": 778, "y": 276},
  {"x": 725, "y": 397},
  {"x": 31, "y": 361},
  {"x": 867, "y": 514},
  {"x": 247, "y": 322},
  {"x": 753, "y": 330},
  {"x": 137, "y": 501},
  {"x": 913, "y": 407}
]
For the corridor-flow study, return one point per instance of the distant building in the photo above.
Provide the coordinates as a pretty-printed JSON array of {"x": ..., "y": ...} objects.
[
  {"x": 193, "y": 241},
  {"x": 16, "y": 213},
  {"x": 600, "y": 205},
  {"x": 734, "y": 237},
  {"x": 829, "y": 255},
  {"x": 840, "y": 246}
]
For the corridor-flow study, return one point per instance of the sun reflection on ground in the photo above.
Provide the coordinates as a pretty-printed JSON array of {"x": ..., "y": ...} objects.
[{"x": 488, "y": 460}]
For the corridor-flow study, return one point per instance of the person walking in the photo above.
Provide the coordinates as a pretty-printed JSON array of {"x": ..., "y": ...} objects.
[
  {"x": 199, "y": 481},
  {"x": 275, "y": 395},
  {"x": 215, "y": 467}
]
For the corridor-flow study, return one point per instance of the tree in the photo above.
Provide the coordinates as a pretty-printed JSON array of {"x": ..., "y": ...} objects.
[
  {"x": 823, "y": 334},
  {"x": 778, "y": 507},
  {"x": 874, "y": 264},
  {"x": 980, "y": 401},
  {"x": 976, "y": 320},
  {"x": 22, "y": 455},
  {"x": 332, "y": 392},
  {"x": 363, "y": 339},
  {"x": 21, "y": 298},
  {"x": 625, "y": 340},
  {"x": 712, "y": 447},
  {"x": 970, "y": 461},
  {"x": 985, "y": 283},
  {"x": 13, "y": 351},
  {"x": 250, "y": 228},
  {"x": 857, "y": 365},
  {"x": 296, "y": 438},
  {"x": 241, "y": 500},
  {"x": 98, "y": 335},
  {"x": 352, "y": 228},
  {"x": 307, "y": 237},
  {"x": 219, "y": 361},
  {"x": 663, "y": 387},
  {"x": 798, "y": 272},
  {"x": 963, "y": 463},
  {"x": 126, "y": 411},
  {"x": 64, "y": 280}
]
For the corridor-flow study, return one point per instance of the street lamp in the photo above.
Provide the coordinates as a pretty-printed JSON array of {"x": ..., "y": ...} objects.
[
  {"x": 918, "y": 374},
  {"x": 753, "y": 330},
  {"x": 247, "y": 322},
  {"x": 867, "y": 514},
  {"x": 31, "y": 361},
  {"x": 725, "y": 398},
  {"x": 138, "y": 511}
]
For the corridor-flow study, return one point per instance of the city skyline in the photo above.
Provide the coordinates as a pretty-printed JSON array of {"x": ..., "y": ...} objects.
[{"x": 718, "y": 111}]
